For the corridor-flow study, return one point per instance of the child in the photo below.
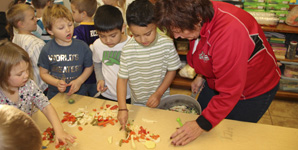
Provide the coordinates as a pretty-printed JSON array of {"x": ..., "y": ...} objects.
[
  {"x": 18, "y": 130},
  {"x": 148, "y": 61},
  {"x": 22, "y": 18},
  {"x": 82, "y": 11},
  {"x": 39, "y": 6},
  {"x": 65, "y": 63},
  {"x": 18, "y": 90},
  {"x": 107, "y": 50}
]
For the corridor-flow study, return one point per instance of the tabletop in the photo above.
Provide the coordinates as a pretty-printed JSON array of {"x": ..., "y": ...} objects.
[{"x": 229, "y": 134}]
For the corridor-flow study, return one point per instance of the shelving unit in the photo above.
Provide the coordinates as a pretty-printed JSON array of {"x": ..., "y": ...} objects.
[{"x": 184, "y": 83}]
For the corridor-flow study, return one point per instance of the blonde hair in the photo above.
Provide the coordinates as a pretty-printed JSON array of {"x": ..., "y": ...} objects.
[
  {"x": 54, "y": 12},
  {"x": 10, "y": 56},
  {"x": 17, "y": 130},
  {"x": 14, "y": 15},
  {"x": 89, "y": 6}
]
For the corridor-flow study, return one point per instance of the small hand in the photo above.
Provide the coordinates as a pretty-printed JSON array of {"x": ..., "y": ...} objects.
[
  {"x": 153, "y": 100},
  {"x": 187, "y": 133},
  {"x": 122, "y": 117},
  {"x": 75, "y": 85},
  {"x": 61, "y": 85},
  {"x": 63, "y": 137},
  {"x": 101, "y": 86}
]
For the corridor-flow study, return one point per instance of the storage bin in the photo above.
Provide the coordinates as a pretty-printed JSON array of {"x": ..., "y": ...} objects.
[
  {"x": 289, "y": 79},
  {"x": 288, "y": 84}
]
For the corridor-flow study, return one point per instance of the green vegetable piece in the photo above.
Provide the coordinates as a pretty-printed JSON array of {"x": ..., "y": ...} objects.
[{"x": 71, "y": 101}]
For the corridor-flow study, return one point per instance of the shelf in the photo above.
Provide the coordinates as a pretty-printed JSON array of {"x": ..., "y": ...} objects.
[
  {"x": 288, "y": 60},
  {"x": 182, "y": 52},
  {"x": 281, "y": 27},
  {"x": 184, "y": 83}
]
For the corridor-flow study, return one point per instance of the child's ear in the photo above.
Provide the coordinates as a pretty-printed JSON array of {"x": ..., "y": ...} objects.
[
  {"x": 20, "y": 24},
  {"x": 123, "y": 28},
  {"x": 84, "y": 14},
  {"x": 50, "y": 32}
]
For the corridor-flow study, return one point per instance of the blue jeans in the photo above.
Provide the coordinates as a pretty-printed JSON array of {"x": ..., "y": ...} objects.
[{"x": 250, "y": 110}]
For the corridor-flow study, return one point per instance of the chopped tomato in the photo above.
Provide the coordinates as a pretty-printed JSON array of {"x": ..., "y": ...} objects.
[
  {"x": 114, "y": 107},
  {"x": 108, "y": 105},
  {"x": 80, "y": 128}
]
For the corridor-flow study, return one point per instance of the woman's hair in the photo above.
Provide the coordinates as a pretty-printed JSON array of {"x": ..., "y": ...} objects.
[
  {"x": 182, "y": 14},
  {"x": 108, "y": 18},
  {"x": 10, "y": 56},
  {"x": 140, "y": 13},
  {"x": 17, "y": 130},
  {"x": 54, "y": 12},
  {"x": 40, "y": 4},
  {"x": 89, "y": 6},
  {"x": 14, "y": 15}
]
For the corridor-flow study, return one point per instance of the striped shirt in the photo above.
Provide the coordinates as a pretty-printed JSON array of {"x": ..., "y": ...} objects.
[
  {"x": 146, "y": 67},
  {"x": 32, "y": 45}
]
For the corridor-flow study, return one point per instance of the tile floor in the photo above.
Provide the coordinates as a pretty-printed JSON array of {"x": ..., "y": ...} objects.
[{"x": 280, "y": 113}]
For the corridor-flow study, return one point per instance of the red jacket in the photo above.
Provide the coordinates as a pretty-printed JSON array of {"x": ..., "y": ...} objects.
[{"x": 236, "y": 59}]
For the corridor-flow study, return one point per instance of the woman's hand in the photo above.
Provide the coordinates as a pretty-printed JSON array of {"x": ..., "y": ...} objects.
[
  {"x": 197, "y": 84},
  {"x": 154, "y": 100},
  {"x": 187, "y": 133},
  {"x": 122, "y": 117},
  {"x": 62, "y": 136}
]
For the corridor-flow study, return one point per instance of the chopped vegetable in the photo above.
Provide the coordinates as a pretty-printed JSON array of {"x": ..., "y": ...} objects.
[
  {"x": 150, "y": 144},
  {"x": 80, "y": 128},
  {"x": 71, "y": 101},
  {"x": 110, "y": 139}
]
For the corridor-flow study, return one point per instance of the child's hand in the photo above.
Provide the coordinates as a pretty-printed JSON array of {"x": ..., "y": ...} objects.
[
  {"x": 61, "y": 85},
  {"x": 154, "y": 100},
  {"x": 122, "y": 117},
  {"x": 101, "y": 86},
  {"x": 63, "y": 136},
  {"x": 75, "y": 85}
]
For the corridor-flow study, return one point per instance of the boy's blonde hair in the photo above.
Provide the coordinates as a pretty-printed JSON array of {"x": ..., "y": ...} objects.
[
  {"x": 17, "y": 130},
  {"x": 10, "y": 56},
  {"x": 40, "y": 4},
  {"x": 54, "y": 12},
  {"x": 89, "y": 6},
  {"x": 14, "y": 15}
]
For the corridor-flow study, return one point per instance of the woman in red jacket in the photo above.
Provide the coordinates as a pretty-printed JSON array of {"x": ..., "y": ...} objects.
[{"x": 229, "y": 49}]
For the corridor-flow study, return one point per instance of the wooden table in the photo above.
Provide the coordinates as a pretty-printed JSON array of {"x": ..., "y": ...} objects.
[{"x": 228, "y": 135}]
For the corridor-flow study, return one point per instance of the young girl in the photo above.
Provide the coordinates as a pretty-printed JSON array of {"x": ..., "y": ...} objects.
[
  {"x": 22, "y": 18},
  {"x": 18, "y": 90}
]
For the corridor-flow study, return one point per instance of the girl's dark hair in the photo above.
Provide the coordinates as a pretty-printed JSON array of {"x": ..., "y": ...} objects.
[
  {"x": 140, "y": 13},
  {"x": 182, "y": 14},
  {"x": 108, "y": 18}
]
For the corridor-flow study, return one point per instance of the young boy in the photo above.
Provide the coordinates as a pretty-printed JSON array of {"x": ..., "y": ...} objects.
[
  {"x": 65, "y": 63},
  {"x": 107, "y": 50},
  {"x": 82, "y": 12},
  {"x": 39, "y": 6},
  {"x": 148, "y": 61}
]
